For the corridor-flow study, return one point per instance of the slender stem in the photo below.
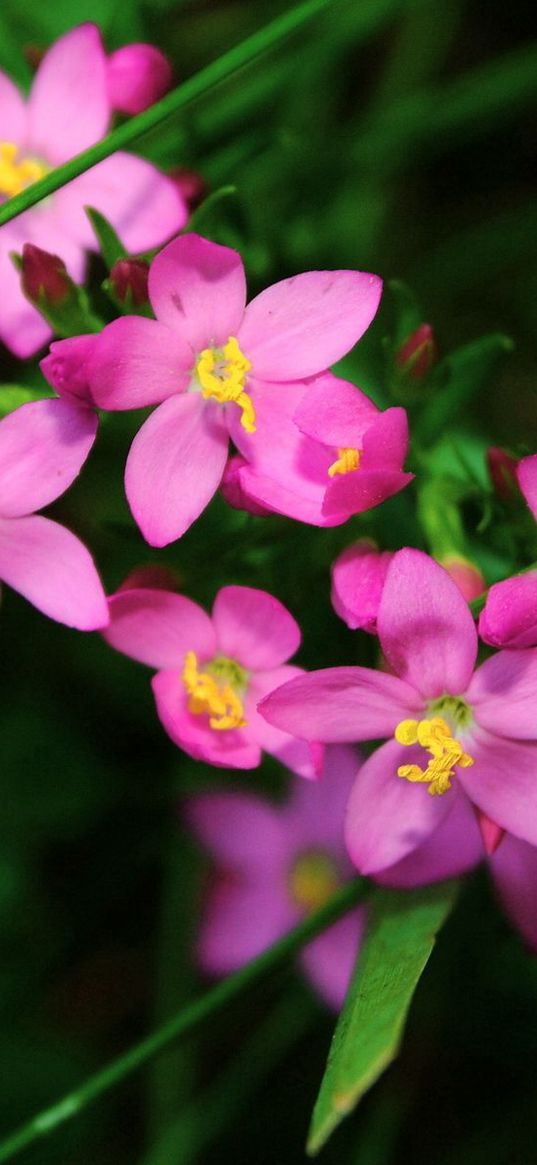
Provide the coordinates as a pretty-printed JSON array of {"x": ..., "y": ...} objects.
[
  {"x": 241, "y": 54},
  {"x": 185, "y": 1021}
]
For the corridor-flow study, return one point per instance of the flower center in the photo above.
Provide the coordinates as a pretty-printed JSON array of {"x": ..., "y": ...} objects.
[
  {"x": 348, "y": 460},
  {"x": 434, "y": 735},
  {"x": 215, "y": 691},
  {"x": 222, "y": 373},
  {"x": 313, "y": 879},
  {"x": 17, "y": 173}
]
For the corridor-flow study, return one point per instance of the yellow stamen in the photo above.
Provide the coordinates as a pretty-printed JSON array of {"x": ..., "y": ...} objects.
[
  {"x": 348, "y": 460},
  {"x": 312, "y": 880},
  {"x": 218, "y": 700},
  {"x": 16, "y": 175},
  {"x": 435, "y": 736},
  {"x": 222, "y": 375}
]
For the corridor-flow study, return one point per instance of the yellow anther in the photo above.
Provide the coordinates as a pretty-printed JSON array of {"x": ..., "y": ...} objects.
[
  {"x": 312, "y": 880},
  {"x": 222, "y": 374},
  {"x": 348, "y": 460},
  {"x": 435, "y": 736},
  {"x": 17, "y": 175},
  {"x": 217, "y": 699}
]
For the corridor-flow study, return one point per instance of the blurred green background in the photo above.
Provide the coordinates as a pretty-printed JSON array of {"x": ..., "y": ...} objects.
[{"x": 398, "y": 137}]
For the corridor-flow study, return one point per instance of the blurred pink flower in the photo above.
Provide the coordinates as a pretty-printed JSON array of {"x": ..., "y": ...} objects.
[
  {"x": 137, "y": 75},
  {"x": 273, "y": 865},
  {"x": 469, "y": 738},
  {"x": 68, "y": 110},
  {"x": 213, "y": 670},
  {"x": 43, "y": 446}
]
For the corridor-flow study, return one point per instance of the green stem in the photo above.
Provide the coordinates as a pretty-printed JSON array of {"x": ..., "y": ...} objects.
[
  {"x": 217, "y": 71},
  {"x": 185, "y": 1021}
]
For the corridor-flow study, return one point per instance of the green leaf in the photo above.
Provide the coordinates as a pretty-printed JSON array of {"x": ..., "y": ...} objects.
[
  {"x": 14, "y": 395},
  {"x": 456, "y": 380},
  {"x": 400, "y": 937},
  {"x": 110, "y": 244}
]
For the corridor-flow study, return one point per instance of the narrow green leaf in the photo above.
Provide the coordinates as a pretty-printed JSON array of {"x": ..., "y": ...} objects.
[
  {"x": 400, "y": 937},
  {"x": 110, "y": 244},
  {"x": 457, "y": 380}
]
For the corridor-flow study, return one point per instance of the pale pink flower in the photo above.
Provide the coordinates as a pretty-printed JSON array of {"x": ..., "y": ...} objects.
[
  {"x": 274, "y": 864},
  {"x": 214, "y": 669},
  {"x": 69, "y": 109},
  {"x": 469, "y": 738},
  {"x": 43, "y": 446}
]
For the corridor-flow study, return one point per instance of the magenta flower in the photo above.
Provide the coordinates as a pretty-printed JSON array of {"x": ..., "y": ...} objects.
[
  {"x": 69, "y": 108},
  {"x": 527, "y": 480},
  {"x": 275, "y": 864},
  {"x": 509, "y": 618},
  {"x": 43, "y": 446},
  {"x": 216, "y": 367},
  {"x": 137, "y": 75},
  {"x": 468, "y": 738},
  {"x": 213, "y": 670}
]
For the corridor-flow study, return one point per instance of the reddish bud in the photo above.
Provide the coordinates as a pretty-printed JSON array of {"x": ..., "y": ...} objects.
[
  {"x": 467, "y": 577},
  {"x": 152, "y": 577},
  {"x": 137, "y": 76},
  {"x": 419, "y": 353},
  {"x": 502, "y": 468},
  {"x": 44, "y": 277},
  {"x": 128, "y": 280},
  {"x": 191, "y": 185},
  {"x": 232, "y": 491}
]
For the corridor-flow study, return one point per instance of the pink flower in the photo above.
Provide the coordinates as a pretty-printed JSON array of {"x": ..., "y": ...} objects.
[
  {"x": 213, "y": 670},
  {"x": 137, "y": 75},
  {"x": 527, "y": 479},
  {"x": 43, "y": 446},
  {"x": 509, "y": 618},
  {"x": 469, "y": 738},
  {"x": 217, "y": 368},
  {"x": 322, "y": 451},
  {"x": 275, "y": 864},
  {"x": 68, "y": 110}
]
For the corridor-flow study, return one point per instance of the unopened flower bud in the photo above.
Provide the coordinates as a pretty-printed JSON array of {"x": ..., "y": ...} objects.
[
  {"x": 358, "y": 577},
  {"x": 128, "y": 281},
  {"x": 137, "y": 76},
  {"x": 418, "y": 354},
  {"x": 191, "y": 185},
  {"x": 502, "y": 468},
  {"x": 44, "y": 277},
  {"x": 467, "y": 577}
]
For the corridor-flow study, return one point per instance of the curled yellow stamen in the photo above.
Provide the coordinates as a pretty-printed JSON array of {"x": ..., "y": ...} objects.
[
  {"x": 222, "y": 375},
  {"x": 435, "y": 736},
  {"x": 16, "y": 175},
  {"x": 348, "y": 460},
  {"x": 218, "y": 700}
]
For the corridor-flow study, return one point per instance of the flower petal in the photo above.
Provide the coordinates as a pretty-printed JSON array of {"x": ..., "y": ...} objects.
[
  {"x": 299, "y": 326},
  {"x": 297, "y": 755},
  {"x": 358, "y": 576},
  {"x": 514, "y": 870},
  {"x": 454, "y": 847},
  {"x": 136, "y": 362},
  {"x": 43, "y": 446},
  {"x": 198, "y": 288},
  {"x": 503, "y": 694},
  {"x": 356, "y": 492},
  {"x": 425, "y": 627},
  {"x": 53, "y": 570},
  {"x": 339, "y": 704},
  {"x": 174, "y": 467},
  {"x": 158, "y": 627},
  {"x": 254, "y": 628},
  {"x": 22, "y": 329},
  {"x": 527, "y": 480},
  {"x": 315, "y": 812},
  {"x": 503, "y": 781},
  {"x": 232, "y": 749},
  {"x": 240, "y": 920},
  {"x": 68, "y": 107},
  {"x": 329, "y": 960},
  {"x": 240, "y": 830},
  {"x": 13, "y": 116},
  {"x": 65, "y": 366},
  {"x": 335, "y": 412},
  {"x": 509, "y": 618},
  {"x": 388, "y": 816}
]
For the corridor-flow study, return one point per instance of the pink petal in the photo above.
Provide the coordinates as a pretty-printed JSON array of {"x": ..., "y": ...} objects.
[
  {"x": 425, "y": 627},
  {"x": 198, "y": 288},
  {"x": 254, "y": 628},
  {"x": 68, "y": 107},
  {"x": 300, "y": 757},
  {"x": 339, "y": 704},
  {"x": 503, "y": 781},
  {"x": 387, "y": 816},
  {"x": 174, "y": 467},
  {"x": 241, "y": 831},
  {"x": 315, "y": 812},
  {"x": 491, "y": 833},
  {"x": 43, "y": 446},
  {"x": 335, "y": 412},
  {"x": 53, "y": 570},
  {"x": 22, "y": 329},
  {"x": 227, "y": 749},
  {"x": 356, "y": 492},
  {"x": 137, "y": 362},
  {"x": 527, "y": 480},
  {"x": 358, "y": 576},
  {"x": 13, "y": 117},
  {"x": 509, "y": 618},
  {"x": 453, "y": 848},
  {"x": 329, "y": 960},
  {"x": 137, "y": 76},
  {"x": 232, "y": 491},
  {"x": 385, "y": 441},
  {"x": 268, "y": 495},
  {"x": 240, "y": 920},
  {"x": 299, "y": 326},
  {"x": 158, "y": 627},
  {"x": 66, "y": 366},
  {"x": 514, "y": 869},
  {"x": 503, "y": 694},
  {"x": 143, "y": 205}
]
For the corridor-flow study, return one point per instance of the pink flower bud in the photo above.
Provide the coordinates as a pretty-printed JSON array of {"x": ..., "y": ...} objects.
[
  {"x": 191, "y": 185},
  {"x": 419, "y": 353},
  {"x": 44, "y": 276},
  {"x": 502, "y": 468},
  {"x": 233, "y": 492},
  {"x": 128, "y": 279},
  {"x": 467, "y": 577},
  {"x": 358, "y": 577},
  {"x": 137, "y": 76}
]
